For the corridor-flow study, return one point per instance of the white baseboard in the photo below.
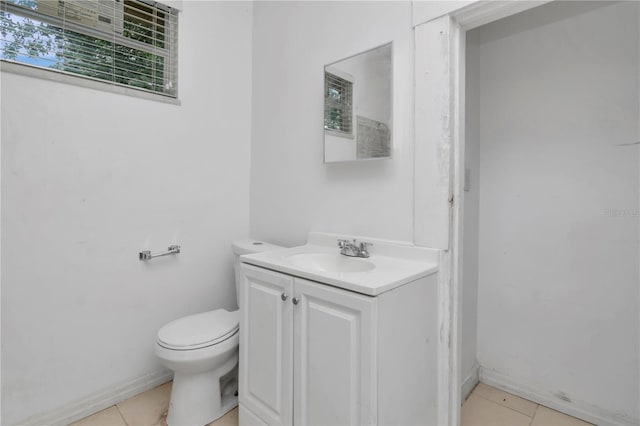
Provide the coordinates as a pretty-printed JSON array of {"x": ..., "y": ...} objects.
[
  {"x": 470, "y": 382},
  {"x": 98, "y": 401},
  {"x": 586, "y": 412}
]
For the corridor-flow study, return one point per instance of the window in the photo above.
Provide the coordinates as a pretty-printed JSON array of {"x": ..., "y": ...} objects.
[
  {"x": 338, "y": 105},
  {"x": 131, "y": 43}
]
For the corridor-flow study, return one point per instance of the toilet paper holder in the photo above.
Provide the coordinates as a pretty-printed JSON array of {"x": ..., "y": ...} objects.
[{"x": 147, "y": 255}]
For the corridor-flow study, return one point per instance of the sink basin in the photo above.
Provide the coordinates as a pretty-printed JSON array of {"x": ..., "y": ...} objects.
[{"x": 330, "y": 262}]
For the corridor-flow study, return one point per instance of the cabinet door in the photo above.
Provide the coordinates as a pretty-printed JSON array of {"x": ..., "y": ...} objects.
[
  {"x": 266, "y": 332},
  {"x": 334, "y": 356}
]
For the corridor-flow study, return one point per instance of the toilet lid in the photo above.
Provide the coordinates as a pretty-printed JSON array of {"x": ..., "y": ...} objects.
[{"x": 199, "y": 330}]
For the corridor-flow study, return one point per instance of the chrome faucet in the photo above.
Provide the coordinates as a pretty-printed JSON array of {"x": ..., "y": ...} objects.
[{"x": 353, "y": 249}]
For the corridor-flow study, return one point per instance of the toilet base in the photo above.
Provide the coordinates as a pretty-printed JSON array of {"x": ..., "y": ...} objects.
[{"x": 198, "y": 399}]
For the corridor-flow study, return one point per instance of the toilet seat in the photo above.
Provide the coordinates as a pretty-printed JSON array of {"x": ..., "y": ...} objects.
[{"x": 199, "y": 330}]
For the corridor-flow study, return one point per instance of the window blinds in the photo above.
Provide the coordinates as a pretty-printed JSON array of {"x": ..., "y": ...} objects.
[
  {"x": 338, "y": 101},
  {"x": 130, "y": 43}
]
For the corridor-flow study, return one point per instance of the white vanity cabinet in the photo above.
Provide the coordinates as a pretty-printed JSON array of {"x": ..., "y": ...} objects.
[{"x": 313, "y": 354}]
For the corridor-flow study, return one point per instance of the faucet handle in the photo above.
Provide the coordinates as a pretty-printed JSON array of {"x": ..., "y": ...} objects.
[
  {"x": 342, "y": 243},
  {"x": 364, "y": 248}
]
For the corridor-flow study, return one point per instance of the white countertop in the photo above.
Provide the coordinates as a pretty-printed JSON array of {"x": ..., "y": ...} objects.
[{"x": 396, "y": 264}]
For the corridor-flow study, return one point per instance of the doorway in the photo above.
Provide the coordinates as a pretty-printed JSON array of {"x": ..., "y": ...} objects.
[{"x": 549, "y": 225}]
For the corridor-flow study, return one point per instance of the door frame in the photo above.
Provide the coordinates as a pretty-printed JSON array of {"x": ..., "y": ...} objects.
[{"x": 440, "y": 72}]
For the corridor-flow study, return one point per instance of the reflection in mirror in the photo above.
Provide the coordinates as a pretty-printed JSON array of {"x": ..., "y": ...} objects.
[{"x": 358, "y": 107}]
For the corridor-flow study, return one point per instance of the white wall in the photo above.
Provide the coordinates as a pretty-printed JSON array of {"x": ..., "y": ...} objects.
[
  {"x": 91, "y": 178},
  {"x": 292, "y": 191},
  {"x": 559, "y": 252},
  {"x": 371, "y": 72}
]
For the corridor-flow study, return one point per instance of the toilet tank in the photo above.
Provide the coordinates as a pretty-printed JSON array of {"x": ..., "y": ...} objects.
[{"x": 247, "y": 247}]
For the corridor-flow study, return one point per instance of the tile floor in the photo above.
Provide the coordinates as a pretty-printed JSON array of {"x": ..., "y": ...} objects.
[
  {"x": 486, "y": 406},
  {"x": 146, "y": 409}
]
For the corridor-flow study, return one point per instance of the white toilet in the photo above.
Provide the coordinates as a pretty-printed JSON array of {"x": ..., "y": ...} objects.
[{"x": 202, "y": 350}]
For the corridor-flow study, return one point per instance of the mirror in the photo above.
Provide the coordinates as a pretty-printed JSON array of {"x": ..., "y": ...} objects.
[{"x": 358, "y": 107}]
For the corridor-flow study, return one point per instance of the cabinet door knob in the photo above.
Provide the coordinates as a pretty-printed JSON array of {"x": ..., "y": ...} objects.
[
  {"x": 295, "y": 300},
  {"x": 284, "y": 296}
]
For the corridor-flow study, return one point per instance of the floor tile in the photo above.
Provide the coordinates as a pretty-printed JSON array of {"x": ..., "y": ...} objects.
[
  {"x": 478, "y": 411},
  {"x": 521, "y": 405},
  {"x": 148, "y": 408},
  {"x": 229, "y": 419},
  {"x": 547, "y": 417},
  {"x": 109, "y": 417}
]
